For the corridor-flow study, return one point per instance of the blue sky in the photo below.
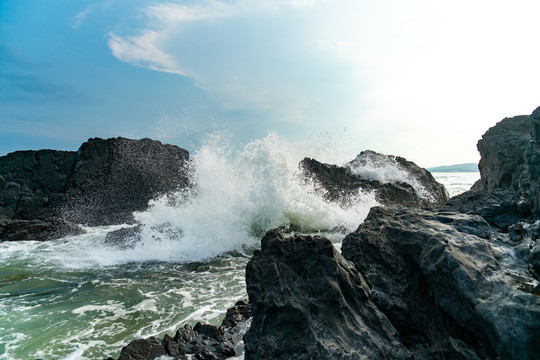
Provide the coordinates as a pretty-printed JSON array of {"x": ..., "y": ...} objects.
[{"x": 421, "y": 79}]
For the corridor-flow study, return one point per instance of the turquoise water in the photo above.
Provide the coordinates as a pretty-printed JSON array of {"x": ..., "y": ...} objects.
[{"x": 54, "y": 307}]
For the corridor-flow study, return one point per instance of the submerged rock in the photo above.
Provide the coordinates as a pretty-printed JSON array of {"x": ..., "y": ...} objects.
[
  {"x": 445, "y": 278},
  {"x": 394, "y": 180},
  {"x": 308, "y": 302}
]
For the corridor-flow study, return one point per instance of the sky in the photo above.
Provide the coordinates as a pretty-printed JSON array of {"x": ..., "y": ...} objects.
[{"x": 417, "y": 78}]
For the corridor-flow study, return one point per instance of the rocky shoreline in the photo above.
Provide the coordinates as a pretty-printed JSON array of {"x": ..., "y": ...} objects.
[{"x": 423, "y": 277}]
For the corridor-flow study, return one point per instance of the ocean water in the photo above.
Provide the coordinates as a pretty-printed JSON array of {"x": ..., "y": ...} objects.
[
  {"x": 83, "y": 298},
  {"x": 457, "y": 182}
]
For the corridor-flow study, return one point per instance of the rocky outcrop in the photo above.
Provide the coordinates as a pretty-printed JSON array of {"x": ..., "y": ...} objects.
[
  {"x": 445, "y": 279},
  {"x": 511, "y": 157},
  {"x": 45, "y": 193},
  {"x": 509, "y": 188},
  {"x": 457, "y": 282},
  {"x": 203, "y": 341},
  {"x": 113, "y": 178},
  {"x": 394, "y": 180},
  {"x": 308, "y": 302}
]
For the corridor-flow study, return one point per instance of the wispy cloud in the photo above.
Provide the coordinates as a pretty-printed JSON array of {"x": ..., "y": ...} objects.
[
  {"x": 375, "y": 67},
  {"x": 83, "y": 15},
  {"x": 240, "y": 51}
]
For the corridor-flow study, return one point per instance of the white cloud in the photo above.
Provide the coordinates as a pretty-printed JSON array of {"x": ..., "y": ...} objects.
[{"x": 422, "y": 75}]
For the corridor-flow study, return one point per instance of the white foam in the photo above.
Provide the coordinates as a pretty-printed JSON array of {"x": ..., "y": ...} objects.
[
  {"x": 238, "y": 196},
  {"x": 385, "y": 169}
]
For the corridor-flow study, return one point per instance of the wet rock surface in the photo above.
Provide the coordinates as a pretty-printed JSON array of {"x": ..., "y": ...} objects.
[
  {"x": 308, "y": 302},
  {"x": 201, "y": 342},
  {"x": 443, "y": 277},
  {"x": 45, "y": 193},
  {"x": 457, "y": 282},
  {"x": 112, "y": 178},
  {"x": 411, "y": 186}
]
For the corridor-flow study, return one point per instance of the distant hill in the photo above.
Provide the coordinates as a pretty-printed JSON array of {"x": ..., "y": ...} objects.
[{"x": 469, "y": 167}]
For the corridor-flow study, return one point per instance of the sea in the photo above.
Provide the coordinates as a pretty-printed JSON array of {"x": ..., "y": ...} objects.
[{"x": 82, "y": 297}]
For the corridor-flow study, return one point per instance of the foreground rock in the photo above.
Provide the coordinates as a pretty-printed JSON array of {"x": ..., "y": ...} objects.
[
  {"x": 394, "y": 180},
  {"x": 310, "y": 303},
  {"x": 451, "y": 287},
  {"x": 204, "y": 342},
  {"x": 44, "y": 193}
]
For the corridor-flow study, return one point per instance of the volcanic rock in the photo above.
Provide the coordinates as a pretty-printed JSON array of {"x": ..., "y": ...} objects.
[
  {"x": 142, "y": 349},
  {"x": 203, "y": 341},
  {"x": 445, "y": 278},
  {"x": 308, "y": 302},
  {"x": 404, "y": 184},
  {"x": 113, "y": 178},
  {"x": 40, "y": 230},
  {"x": 237, "y": 314},
  {"x": 31, "y": 181},
  {"x": 44, "y": 193},
  {"x": 509, "y": 188}
]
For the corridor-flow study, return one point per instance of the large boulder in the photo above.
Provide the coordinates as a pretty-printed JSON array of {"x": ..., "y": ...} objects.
[
  {"x": 450, "y": 286},
  {"x": 308, "y": 302},
  {"x": 113, "y": 178},
  {"x": 393, "y": 180},
  {"x": 45, "y": 193}
]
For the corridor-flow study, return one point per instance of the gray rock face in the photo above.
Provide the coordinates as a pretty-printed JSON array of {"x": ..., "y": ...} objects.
[
  {"x": 444, "y": 279},
  {"x": 406, "y": 184},
  {"x": 310, "y": 303},
  {"x": 510, "y": 157}
]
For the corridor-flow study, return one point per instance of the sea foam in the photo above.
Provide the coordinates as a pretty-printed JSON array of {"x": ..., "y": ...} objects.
[{"x": 237, "y": 196}]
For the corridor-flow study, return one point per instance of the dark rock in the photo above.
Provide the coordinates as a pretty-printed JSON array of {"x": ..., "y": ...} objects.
[
  {"x": 185, "y": 335},
  {"x": 240, "y": 312},
  {"x": 40, "y": 230},
  {"x": 534, "y": 261},
  {"x": 310, "y": 303},
  {"x": 30, "y": 181},
  {"x": 206, "y": 342},
  {"x": 215, "y": 332},
  {"x": 499, "y": 207},
  {"x": 113, "y": 178},
  {"x": 343, "y": 183},
  {"x": 143, "y": 349},
  {"x": 124, "y": 237},
  {"x": 101, "y": 184},
  {"x": 510, "y": 158},
  {"x": 444, "y": 287}
]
